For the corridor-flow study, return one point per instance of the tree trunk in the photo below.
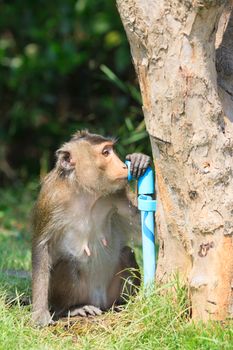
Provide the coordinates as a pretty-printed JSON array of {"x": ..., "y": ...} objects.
[{"x": 188, "y": 110}]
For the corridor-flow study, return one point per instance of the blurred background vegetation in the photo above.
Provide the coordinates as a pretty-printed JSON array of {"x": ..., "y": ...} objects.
[{"x": 64, "y": 65}]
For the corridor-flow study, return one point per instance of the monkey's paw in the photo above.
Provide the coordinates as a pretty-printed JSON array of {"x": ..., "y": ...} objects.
[
  {"x": 139, "y": 163},
  {"x": 87, "y": 310},
  {"x": 42, "y": 318}
]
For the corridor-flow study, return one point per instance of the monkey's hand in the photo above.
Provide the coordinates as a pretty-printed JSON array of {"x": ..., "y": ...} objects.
[
  {"x": 42, "y": 318},
  {"x": 139, "y": 163}
]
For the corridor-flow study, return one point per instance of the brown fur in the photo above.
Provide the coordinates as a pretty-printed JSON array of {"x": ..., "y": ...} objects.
[{"x": 79, "y": 252}]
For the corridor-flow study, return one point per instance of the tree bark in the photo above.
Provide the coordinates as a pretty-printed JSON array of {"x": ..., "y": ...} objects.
[{"x": 188, "y": 110}]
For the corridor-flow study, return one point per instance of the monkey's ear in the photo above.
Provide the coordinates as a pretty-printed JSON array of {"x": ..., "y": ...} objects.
[{"x": 64, "y": 160}]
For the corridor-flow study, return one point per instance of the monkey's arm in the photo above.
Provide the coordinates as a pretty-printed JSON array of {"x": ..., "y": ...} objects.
[
  {"x": 139, "y": 163},
  {"x": 128, "y": 214},
  {"x": 40, "y": 284},
  {"x": 126, "y": 203}
]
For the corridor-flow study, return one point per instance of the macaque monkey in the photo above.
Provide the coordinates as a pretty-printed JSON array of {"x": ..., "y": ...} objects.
[{"x": 80, "y": 257}]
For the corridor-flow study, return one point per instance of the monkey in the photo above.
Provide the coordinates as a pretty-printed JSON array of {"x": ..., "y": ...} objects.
[{"x": 81, "y": 263}]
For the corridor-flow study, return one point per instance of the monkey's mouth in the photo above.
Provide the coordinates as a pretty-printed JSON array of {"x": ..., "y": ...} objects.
[{"x": 121, "y": 178}]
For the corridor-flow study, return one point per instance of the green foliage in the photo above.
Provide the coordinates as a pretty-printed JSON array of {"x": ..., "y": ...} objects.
[
  {"x": 15, "y": 239},
  {"x": 64, "y": 66}
]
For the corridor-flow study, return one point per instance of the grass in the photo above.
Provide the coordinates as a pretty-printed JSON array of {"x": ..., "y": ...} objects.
[{"x": 149, "y": 322}]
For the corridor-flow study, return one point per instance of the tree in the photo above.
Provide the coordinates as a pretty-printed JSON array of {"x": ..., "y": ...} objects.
[{"x": 188, "y": 110}]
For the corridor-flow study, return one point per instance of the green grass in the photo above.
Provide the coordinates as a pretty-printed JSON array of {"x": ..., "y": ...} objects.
[{"x": 157, "y": 321}]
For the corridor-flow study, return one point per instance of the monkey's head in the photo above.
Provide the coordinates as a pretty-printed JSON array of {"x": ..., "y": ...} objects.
[{"x": 90, "y": 162}]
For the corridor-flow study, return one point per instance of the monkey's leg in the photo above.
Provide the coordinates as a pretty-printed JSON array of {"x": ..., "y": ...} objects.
[
  {"x": 69, "y": 292},
  {"x": 126, "y": 280},
  {"x": 125, "y": 283},
  {"x": 67, "y": 287}
]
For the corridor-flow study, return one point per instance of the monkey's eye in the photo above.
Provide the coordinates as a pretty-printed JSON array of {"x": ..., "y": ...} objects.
[{"x": 106, "y": 152}]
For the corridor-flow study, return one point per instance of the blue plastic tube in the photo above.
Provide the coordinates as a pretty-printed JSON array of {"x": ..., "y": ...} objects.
[{"x": 147, "y": 206}]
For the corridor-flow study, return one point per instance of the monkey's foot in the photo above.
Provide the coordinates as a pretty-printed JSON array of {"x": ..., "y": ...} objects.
[{"x": 87, "y": 310}]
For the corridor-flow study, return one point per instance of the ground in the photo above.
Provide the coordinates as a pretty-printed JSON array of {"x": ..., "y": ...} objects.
[{"x": 155, "y": 320}]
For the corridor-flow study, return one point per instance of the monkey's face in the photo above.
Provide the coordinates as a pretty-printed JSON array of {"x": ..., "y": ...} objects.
[
  {"x": 95, "y": 167},
  {"x": 112, "y": 170},
  {"x": 102, "y": 170}
]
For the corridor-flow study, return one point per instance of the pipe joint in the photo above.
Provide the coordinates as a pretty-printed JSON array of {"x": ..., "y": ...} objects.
[{"x": 146, "y": 203}]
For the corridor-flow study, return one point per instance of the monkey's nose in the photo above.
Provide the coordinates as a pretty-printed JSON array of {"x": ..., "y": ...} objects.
[{"x": 124, "y": 166}]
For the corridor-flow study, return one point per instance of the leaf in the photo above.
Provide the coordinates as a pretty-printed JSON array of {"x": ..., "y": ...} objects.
[
  {"x": 135, "y": 93},
  {"x": 112, "y": 77},
  {"x": 134, "y": 138},
  {"x": 129, "y": 124}
]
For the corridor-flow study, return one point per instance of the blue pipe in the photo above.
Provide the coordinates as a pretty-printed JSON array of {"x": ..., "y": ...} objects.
[{"x": 147, "y": 206}]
